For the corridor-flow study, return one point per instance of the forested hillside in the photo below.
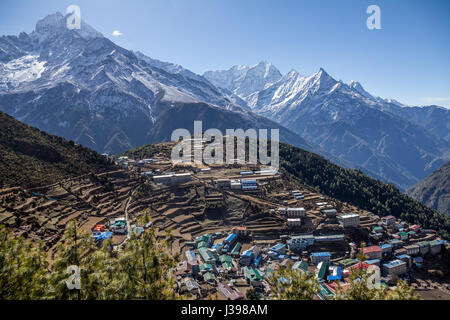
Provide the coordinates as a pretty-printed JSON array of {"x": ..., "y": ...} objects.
[{"x": 30, "y": 157}]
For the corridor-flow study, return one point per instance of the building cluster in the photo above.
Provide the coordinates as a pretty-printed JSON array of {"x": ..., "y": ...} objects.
[
  {"x": 220, "y": 264},
  {"x": 293, "y": 216},
  {"x": 242, "y": 184},
  {"x": 230, "y": 263},
  {"x": 172, "y": 178},
  {"x": 114, "y": 227}
]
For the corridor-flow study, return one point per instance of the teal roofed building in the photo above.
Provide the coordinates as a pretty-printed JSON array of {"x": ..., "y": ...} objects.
[
  {"x": 252, "y": 275},
  {"x": 209, "y": 277}
]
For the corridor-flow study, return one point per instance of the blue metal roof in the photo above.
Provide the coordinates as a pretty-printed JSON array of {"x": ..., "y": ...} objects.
[
  {"x": 372, "y": 261},
  {"x": 257, "y": 261},
  {"x": 247, "y": 253},
  {"x": 321, "y": 254},
  {"x": 103, "y": 236},
  {"x": 230, "y": 238},
  {"x": 278, "y": 246}
]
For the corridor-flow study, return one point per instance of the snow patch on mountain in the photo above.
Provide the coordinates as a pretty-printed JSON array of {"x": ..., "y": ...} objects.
[{"x": 19, "y": 71}]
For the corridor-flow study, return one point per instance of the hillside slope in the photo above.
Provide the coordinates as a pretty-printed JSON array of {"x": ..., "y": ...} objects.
[
  {"x": 30, "y": 157},
  {"x": 351, "y": 186},
  {"x": 354, "y": 187},
  {"x": 434, "y": 191}
]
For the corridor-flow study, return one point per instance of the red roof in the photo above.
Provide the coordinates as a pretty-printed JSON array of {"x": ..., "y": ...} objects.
[
  {"x": 360, "y": 265},
  {"x": 99, "y": 227},
  {"x": 372, "y": 249},
  {"x": 333, "y": 286}
]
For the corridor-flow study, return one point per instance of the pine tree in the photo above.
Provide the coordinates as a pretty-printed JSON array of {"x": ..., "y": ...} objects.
[
  {"x": 293, "y": 284},
  {"x": 23, "y": 268}
]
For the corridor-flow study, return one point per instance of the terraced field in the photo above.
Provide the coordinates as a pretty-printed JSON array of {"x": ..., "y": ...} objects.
[{"x": 42, "y": 213}]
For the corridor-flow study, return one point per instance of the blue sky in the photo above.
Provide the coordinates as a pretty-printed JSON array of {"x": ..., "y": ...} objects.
[{"x": 408, "y": 59}]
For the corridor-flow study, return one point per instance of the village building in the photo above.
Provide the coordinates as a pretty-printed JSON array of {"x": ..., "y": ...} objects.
[
  {"x": 241, "y": 232},
  {"x": 235, "y": 184},
  {"x": 349, "y": 220},
  {"x": 300, "y": 243},
  {"x": 317, "y": 257},
  {"x": 228, "y": 292},
  {"x": 373, "y": 252},
  {"x": 294, "y": 222},
  {"x": 249, "y": 184},
  {"x": 223, "y": 183},
  {"x": 412, "y": 250},
  {"x": 330, "y": 213},
  {"x": 395, "y": 267},
  {"x": 424, "y": 247},
  {"x": 388, "y": 220},
  {"x": 279, "y": 248},
  {"x": 295, "y": 212},
  {"x": 435, "y": 247}
]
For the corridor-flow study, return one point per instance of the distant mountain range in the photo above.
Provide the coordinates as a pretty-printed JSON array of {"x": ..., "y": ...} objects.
[
  {"x": 434, "y": 191},
  {"x": 400, "y": 144},
  {"x": 79, "y": 85}
]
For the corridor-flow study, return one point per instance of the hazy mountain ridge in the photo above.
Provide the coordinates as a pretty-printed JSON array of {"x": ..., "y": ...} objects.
[{"x": 434, "y": 191}]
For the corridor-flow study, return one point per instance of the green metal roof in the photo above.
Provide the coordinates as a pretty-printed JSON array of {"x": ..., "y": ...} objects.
[
  {"x": 322, "y": 271},
  {"x": 302, "y": 265},
  {"x": 225, "y": 258},
  {"x": 347, "y": 262},
  {"x": 205, "y": 237},
  {"x": 209, "y": 277},
  {"x": 325, "y": 292},
  {"x": 202, "y": 244},
  {"x": 252, "y": 274},
  {"x": 236, "y": 249},
  {"x": 227, "y": 265},
  {"x": 206, "y": 266}
]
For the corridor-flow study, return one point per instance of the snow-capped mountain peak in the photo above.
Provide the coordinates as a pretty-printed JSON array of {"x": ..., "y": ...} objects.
[
  {"x": 78, "y": 84},
  {"x": 52, "y": 23},
  {"x": 56, "y": 23},
  {"x": 243, "y": 80},
  {"x": 359, "y": 88}
]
